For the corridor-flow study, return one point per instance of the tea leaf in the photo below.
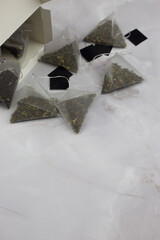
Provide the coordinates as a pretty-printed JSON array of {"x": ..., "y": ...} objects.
[
  {"x": 119, "y": 78},
  {"x": 108, "y": 34},
  {"x": 8, "y": 84},
  {"x": 32, "y": 108},
  {"x": 65, "y": 57},
  {"x": 74, "y": 110},
  {"x": 16, "y": 44}
]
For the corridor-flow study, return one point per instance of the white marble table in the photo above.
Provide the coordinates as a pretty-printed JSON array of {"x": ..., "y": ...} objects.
[{"x": 105, "y": 182}]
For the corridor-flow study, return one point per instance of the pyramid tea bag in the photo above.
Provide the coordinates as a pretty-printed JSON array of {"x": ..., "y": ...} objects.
[
  {"x": 107, "y": 33},
  {"x": 74, "y": 107},
  {"x": 33, "y": 103},
  {"x": 119, "y": 74},
  {"x": 63, "y": 52},
  {"x": 18, "y": 42},
  {"x": 27, "y": 110},
  {"x": 9, "y": 77}
]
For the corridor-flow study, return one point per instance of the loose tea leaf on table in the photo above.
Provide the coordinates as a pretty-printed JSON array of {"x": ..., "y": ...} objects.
[
  {"x": 119, "y": 78},
  {"x": 75, "y": 109},
  {"x": 108, "y": 34},
  {"x": 16, "y": 44},
  {"x": 33, "y": 108},
  {"x": 65, "y": 57},
  {"x": 8, "y": 84}
]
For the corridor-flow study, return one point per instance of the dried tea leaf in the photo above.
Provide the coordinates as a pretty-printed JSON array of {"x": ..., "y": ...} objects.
[
  {"x": 33, "y": 108},
  {"x": 41, "y": 103},
  {"x": 8, "y": 84},
  {"x": 108, "y": 34},
  {"x": 16, "y": 44},
  {"x": 65, "y": 57},
  {"x": 75, "y": 109},
  {"x": 119, "y": 78}
]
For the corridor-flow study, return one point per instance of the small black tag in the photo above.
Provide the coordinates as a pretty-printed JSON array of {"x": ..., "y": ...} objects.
[
  {"x": 58, "y": 78},
  {"x": 136, "y": 37},
  {"x": 59, "y": 83},
  {"x": 94, "y": 51},
  {"x": 60, "y": 71}
]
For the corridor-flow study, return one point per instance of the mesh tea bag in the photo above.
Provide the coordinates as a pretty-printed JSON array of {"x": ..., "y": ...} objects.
[
  {"x": 63, "y": 51},
  {"x": 17, "y": 43},
  {"x": 32, "y": 102},
  {"x": 119, "y": 74},
  {"x": 74, "y": 107},
  {"x": 107, "y": 33},
  {"x": 9, "y": 76}
]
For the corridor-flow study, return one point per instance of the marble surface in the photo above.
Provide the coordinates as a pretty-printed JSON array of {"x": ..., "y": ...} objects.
[{"x": 103, "y": 183}]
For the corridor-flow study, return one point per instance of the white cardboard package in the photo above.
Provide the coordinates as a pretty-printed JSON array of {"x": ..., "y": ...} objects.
[{"x": 15, "y": 13}]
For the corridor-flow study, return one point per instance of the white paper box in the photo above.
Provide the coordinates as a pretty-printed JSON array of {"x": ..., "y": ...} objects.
[{"x": 13, "y": 13}]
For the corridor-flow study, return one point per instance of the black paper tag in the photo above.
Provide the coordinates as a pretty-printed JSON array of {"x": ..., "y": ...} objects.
[
  {"x": 94, "y": 51},
  {"x": 58, "y": 78},
  {"x": 60, "y": 71},
  {"x": 136, "y": 37}
]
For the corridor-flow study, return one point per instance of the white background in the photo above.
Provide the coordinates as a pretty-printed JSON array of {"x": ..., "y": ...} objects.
[{"x": 103, "y": 183}]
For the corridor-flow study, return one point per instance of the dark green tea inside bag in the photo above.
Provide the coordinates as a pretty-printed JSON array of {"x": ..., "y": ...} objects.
[
  {"x": 107, "y": 33},
  {"x": 64, "y": 57},
  {"x": 18, "y": 41},
  {"x": 9, "y": 77},
  {"x": 32, "y": 102},
  {"x": 32, "y": 108},
  {"x": 63, "y": 51},
  {"x": 119, "y": 74},
  {"x": 74, "y": 107}
]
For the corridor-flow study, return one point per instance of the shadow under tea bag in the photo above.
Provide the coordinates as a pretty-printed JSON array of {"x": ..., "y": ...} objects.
[
  {"x": 119, "y": 74},
  {"x": 107, "y": 33},
  {"x": 32, "y": 102},
  {"x": 9, "y": 77},
  {"x": 17, "y": 43},
  {"x": 63, "y": 51},
  {"x": 74, "y": 107}
]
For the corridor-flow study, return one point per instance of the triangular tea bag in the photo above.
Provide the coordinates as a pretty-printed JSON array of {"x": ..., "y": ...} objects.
[
  {"x": 64, "y": 57},
  {"x": 74, "y": 107},
  {"x": 9, "y": 76},
  {"x": 33, "y": 102},
  {"x": 28, "y": 109},
  {"x": 108, "y": 33},
  {"x": 119, "y": 74},
  {"x": 63, "y": 51},
  {"x": 18, "y": 41}
]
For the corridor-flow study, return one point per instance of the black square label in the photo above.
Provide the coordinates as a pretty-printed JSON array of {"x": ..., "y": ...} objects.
[
  {"x": 59, "y": 79},
  {"x": 94, "y": 51},
  {"x": 136, "y": 37}
]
